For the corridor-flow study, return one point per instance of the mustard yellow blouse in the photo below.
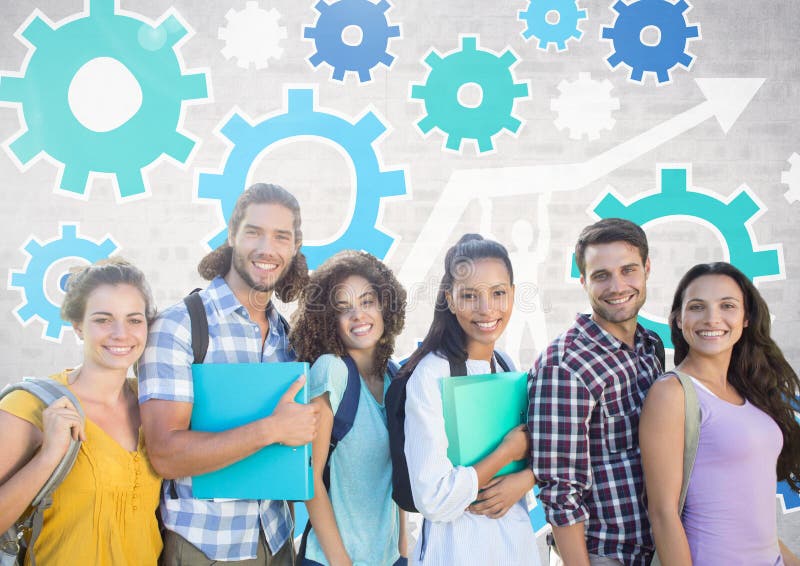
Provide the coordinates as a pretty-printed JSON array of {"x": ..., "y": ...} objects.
[{"x": 104, "y": 512}]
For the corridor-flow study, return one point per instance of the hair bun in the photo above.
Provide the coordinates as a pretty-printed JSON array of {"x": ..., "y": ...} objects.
[{"x": 468, "y": 238}]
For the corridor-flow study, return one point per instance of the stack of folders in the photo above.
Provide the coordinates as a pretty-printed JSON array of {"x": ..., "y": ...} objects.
[
  {"x": 231, "y": 395},
  {"x": 478, "y": 412}
]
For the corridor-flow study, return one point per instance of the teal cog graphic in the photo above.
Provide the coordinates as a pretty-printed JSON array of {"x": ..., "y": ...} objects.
[
  {"x": 731, "y": 219},
  {"x": 32, "y": 279},
  {"x": 42, "y": 90},
  {"x": 470, "y": 65},
  {"x": 303, "y": 119}
]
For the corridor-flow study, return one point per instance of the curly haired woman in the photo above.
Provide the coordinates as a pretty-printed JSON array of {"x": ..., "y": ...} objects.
[{"x": 353, "y": 307}]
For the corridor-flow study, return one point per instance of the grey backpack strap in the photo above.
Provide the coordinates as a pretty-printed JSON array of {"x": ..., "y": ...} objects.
[
  {"x": 691, "y": 432},
  {"x": 47, "y": 390},
  {"x": 691, "y": 437}
]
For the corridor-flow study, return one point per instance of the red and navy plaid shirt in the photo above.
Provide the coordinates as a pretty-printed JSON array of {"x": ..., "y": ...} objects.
[{"x": 586, "y": 394}]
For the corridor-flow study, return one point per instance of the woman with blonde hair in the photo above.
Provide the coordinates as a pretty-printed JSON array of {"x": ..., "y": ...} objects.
[{"x": 104, "y": 512}]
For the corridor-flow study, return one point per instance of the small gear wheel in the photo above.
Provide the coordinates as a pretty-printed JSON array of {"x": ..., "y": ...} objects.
[
  {"x": 41, "y": 257},
  {"x": 673, "y": 32},
  {"x": 302, "y": 119},
  {"x": 584, "y": 107},
  {"x": 42, "y": 90},
  {"x": 252, "y": 36},
  {"x": 792, "y": 178},
  {"x": 359, "y": 58},
  {"x": 731, "y": 219},
  {"x": 470, "y": 66},
  {"x": 540, "y": 15}
]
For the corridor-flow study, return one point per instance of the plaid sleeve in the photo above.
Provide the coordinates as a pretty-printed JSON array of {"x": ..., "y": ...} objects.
[
  {"x": 165, "y": 369},
  {"x": 558, "y": 418}
]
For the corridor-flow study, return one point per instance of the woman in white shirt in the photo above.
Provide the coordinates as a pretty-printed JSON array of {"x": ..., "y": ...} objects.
[{"x": 471, "y": 517}]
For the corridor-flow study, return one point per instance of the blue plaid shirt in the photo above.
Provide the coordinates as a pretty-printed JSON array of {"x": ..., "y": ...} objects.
[{"x": 222, "y": 530}]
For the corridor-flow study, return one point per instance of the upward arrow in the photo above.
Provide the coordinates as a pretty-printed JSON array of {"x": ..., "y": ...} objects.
[{"x": 726, "y": 99}]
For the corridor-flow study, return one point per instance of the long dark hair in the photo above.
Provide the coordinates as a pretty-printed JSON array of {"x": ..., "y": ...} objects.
[
  {"x": 314, "y": 325},
  {"x": 758, "y": 370},
  {"x": 445, "y": 336},
  {"x": 218, "y": 261}
]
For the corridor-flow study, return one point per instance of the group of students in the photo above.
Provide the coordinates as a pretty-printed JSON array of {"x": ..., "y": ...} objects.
[{"x": 603, "y": 477}]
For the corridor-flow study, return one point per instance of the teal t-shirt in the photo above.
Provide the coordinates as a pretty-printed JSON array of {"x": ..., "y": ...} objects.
[{"x": 361, "y": 474}]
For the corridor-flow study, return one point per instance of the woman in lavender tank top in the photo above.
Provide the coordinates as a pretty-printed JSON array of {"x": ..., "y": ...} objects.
[{"x": 749, "y": 438}]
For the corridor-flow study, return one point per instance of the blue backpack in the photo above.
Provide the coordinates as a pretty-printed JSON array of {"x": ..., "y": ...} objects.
[{"x": 342, "y": 423}]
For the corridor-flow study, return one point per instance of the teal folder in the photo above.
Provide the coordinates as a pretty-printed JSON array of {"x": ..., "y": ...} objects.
[
  {"x": 478, "y": 412},
  {"x": 231, "y": 395}
]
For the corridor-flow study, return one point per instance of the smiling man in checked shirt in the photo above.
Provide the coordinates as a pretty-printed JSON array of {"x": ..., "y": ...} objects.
[
  {"x": 261, "y": 257},
  {"x": 586, "y": 394}
]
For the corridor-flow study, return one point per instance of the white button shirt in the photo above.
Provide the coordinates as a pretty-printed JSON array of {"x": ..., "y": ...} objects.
[{"x": 442, "y": 492}]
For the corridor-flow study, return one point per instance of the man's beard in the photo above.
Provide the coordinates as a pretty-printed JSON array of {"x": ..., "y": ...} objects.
[{"x": 239, "y": 263}]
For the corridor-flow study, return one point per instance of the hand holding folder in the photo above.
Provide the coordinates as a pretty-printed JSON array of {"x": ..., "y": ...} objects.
[
  {"x": 230, "y": 395},
  {"x": 479, "y": 410}
]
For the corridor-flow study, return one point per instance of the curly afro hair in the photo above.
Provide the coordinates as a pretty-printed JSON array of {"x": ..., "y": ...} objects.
[{"x": 314, "y": 324}]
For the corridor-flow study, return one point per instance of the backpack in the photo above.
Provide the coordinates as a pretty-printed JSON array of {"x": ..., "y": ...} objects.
[
  {"x": 342, "y": 423},
  {"x": 199, "y": 322},
  {"x": 395, "y": 401},
  {"x": 13, "y": 545}
]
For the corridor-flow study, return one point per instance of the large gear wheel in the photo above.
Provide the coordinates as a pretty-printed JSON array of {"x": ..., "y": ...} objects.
[
  {"x": 556, "y": 33},
  {"x": 252, "y": 36},
  {"x": 470, "y": 65},
  {"x": 302, "y": 119},
  {"x": 584, "y": 107},
  {"x": 674, "y": 33},
  {"x": 59, "y": 52},
  {"x": 730, "y": 218},
  {"x": 376, "y": 32},
  {"x": 792, "y": 178},
  {"x": 31, "y": 279}
]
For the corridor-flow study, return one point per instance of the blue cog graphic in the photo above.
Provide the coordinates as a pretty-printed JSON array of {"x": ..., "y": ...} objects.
[
  {"x": 59, "y": 53},
  {"x": 301, "y": 119},
  {"x": 730, "y": 219},
  {"x": 361, "y": 58},
  {"x": 470, "y": 65},
  {"x": 31, "y": 281},
  {"x": 556, "y": 33},
  {"x": 791, "y": 499},
  {"x": 659, "y": 58}
]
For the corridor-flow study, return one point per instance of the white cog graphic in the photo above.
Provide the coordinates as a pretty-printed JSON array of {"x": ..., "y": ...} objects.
[
  {"x": 792, "y": 178},
  {"x": 584, "y": 107},
  {"x": 252, "y": 36}
]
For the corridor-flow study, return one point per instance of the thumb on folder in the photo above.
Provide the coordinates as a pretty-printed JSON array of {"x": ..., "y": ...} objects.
[{"x": 295, "y": 423}]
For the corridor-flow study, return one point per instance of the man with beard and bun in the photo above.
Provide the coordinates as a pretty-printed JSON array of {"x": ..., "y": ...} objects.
[
  {"x": 586, "y": 394},
  {"x": 261, "y": 257}
]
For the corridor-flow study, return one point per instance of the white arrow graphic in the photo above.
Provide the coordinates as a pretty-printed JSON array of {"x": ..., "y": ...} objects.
[{"x": 725, "y": 100}]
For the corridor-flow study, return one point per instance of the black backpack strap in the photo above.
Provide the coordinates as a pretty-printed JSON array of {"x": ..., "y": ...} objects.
[
  {"x": 460, "y": 367},
  {"x": 660, "y": 355},
  {"x": 501, "y": 360},
  {"x": 342, "y": 423},
  {"x": 199, "y": 321},
  {"x": 457, "y": 367}
]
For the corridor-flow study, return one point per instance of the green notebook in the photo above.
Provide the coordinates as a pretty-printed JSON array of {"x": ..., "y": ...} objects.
[{"x": 478, "y": 412}]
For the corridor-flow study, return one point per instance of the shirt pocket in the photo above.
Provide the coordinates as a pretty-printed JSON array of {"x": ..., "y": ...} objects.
[{"x": 620, "y": 420}]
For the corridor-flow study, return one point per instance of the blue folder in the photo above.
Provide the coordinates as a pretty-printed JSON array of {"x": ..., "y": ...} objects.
[
  {"x": 478, "y": 412},
  {"x": 231, "y": 395}
]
